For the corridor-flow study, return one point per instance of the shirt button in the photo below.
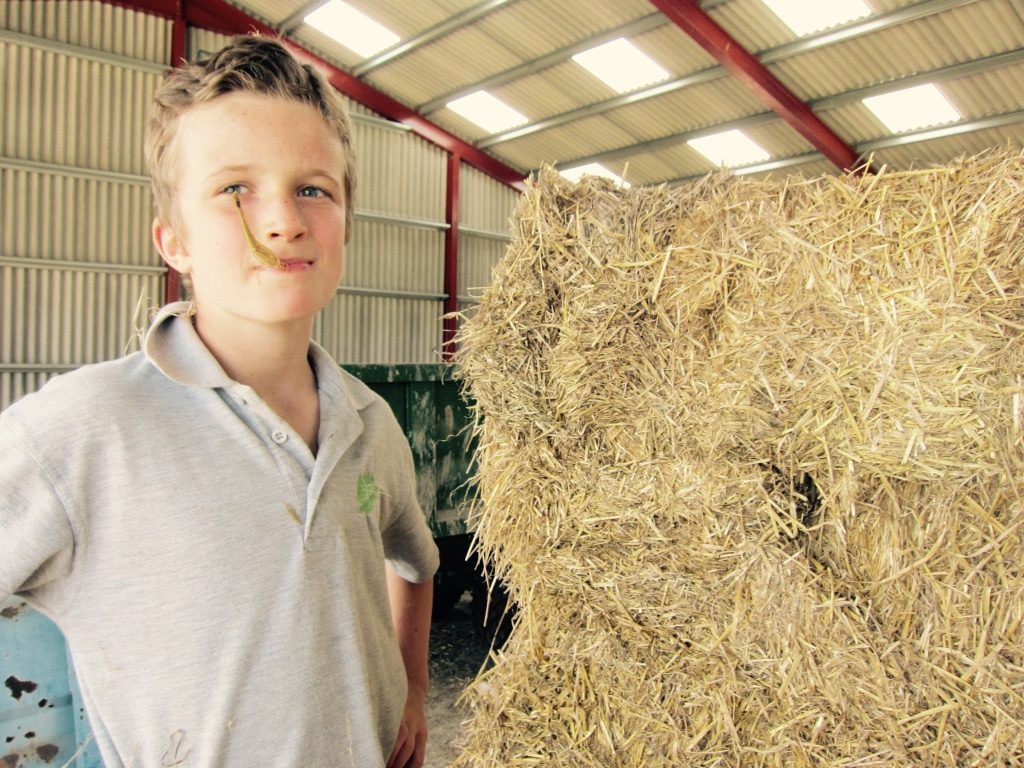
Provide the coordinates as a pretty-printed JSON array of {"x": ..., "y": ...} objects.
[{"x": 279, "y": 436}]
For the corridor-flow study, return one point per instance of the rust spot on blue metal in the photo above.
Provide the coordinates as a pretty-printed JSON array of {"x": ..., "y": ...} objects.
[
  {"x": 12, "y": 611},
  {"x": 18, "y": 687},
  {"x": 47, "y": 752}
]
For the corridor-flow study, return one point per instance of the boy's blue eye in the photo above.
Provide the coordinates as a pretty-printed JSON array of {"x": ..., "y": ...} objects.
[
  {"x": 232, "y": 188},
  {"x": 311, "y": 192}
]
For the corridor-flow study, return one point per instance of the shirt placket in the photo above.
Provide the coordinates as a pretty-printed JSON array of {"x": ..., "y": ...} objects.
[{"x": 291, "y": 455}]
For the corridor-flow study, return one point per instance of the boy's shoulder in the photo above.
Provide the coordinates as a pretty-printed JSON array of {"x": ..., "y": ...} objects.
[
  {"x": 76, "y": 411},
  {"x": 71, "y": 422},
  {"x": 90, "y": 388}
]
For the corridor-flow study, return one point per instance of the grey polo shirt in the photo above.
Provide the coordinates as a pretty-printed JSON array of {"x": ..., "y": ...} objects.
[{"x": 222, "y": 591}]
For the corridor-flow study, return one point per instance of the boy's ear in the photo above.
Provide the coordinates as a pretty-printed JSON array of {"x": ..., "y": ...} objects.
[{"x": 170, "y": 247}]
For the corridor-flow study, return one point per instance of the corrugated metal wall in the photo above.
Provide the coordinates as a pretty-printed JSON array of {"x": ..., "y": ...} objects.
[
  {"x": 75, "y": 256},
  {"x": 389, "y": 307},
  {"x": 485, "y": 212}
]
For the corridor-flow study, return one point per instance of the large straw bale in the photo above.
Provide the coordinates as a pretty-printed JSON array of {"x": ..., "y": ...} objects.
[{"x": 751, "y": 465}]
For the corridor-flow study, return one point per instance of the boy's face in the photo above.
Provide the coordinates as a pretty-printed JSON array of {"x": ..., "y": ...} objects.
[{"x": 286, "y": 165}]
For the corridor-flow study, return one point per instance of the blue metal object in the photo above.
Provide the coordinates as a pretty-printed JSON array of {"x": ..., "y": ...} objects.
[{"x": 37, "y": 713}]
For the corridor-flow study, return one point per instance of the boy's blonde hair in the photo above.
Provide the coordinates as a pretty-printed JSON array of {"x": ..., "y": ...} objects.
[{"x": 251, "y": 64}]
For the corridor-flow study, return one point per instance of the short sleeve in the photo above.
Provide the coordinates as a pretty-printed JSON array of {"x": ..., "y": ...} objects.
[
  {"x": 408, "y": 543},
  {"x": 36, "y": 540}
]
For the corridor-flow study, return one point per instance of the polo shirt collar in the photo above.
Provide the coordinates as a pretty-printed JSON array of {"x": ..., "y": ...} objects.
[
  {"x": 175, "y": 349},
  {"x": 334, "y": 383}
]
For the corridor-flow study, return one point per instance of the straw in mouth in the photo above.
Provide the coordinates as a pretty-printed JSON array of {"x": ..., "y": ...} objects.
[{"x": 262, "y": 253}]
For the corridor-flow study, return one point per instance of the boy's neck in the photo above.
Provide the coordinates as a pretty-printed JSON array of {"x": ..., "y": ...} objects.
[{"x": 273, "y": 359}]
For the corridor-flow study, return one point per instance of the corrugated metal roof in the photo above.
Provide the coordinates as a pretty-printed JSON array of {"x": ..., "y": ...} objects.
[
  {"x": 754, "y": 26},
  {"x": 521, "y": 49}
]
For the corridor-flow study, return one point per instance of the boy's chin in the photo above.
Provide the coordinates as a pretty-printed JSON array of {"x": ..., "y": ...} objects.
[
  {"x": 297, "y": 312},
  {"x": 286, "y": 310}
]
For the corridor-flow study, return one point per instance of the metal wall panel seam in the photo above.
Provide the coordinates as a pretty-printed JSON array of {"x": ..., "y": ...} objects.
[
  {"x": 400, "y": 257},
  {"x": 78, "y": 52},
  {"x": 80, "y": 266},
  {"x": 381, "y": 122},
  {"x": 350, "y": 290},
  {"x": 38, "y": 368},
  {"x": 486, "y": 234},
  {"x": 388, "y": 218},
  {"x": 61, "y": 169},
  {"x": 28, "y": 368}
]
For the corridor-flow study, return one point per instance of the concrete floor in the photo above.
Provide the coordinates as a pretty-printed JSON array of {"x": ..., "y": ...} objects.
[{"x": 456, "y": 655}]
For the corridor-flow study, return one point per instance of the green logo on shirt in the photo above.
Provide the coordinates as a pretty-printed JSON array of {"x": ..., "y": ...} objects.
[{"x": 366, "y": 492}]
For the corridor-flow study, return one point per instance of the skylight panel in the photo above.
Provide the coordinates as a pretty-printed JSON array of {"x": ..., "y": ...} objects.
[
  {"x": 729, "y": 148},
  {"x": 621, "y": 65},
  {"x": 352, "y": 28},
  {"x": 917, "y": 107},
  {"x": 592, "y": 169},
  {"x": 807, "y": 16},
  {"x": 487, "y": 111}
]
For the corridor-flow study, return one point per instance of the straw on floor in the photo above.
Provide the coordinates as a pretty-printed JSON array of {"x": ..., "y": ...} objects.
[{"x": 751, "y": 464}]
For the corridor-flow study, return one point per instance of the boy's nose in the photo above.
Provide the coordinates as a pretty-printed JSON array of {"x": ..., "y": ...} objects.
[{"x": 283, "y": 220}]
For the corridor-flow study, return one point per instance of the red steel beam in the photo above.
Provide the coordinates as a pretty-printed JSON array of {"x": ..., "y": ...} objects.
[
  {"x": 219, "y": 16},
  {"x": 451, "y": 258},
  {"x": 179, "y": 44},
  {"x": 384, "y": 105},
  {"x": 694, "y": 21},
  {"x": 168, "y": 9}
]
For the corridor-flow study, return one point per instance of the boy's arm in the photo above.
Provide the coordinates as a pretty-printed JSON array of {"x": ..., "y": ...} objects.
[
  {"x": 36, "y": 542},
  {"x": 411, "y": 606}
]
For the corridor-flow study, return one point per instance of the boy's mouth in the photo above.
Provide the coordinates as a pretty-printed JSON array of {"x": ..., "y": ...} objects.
[{"x": 295, "y": 265}]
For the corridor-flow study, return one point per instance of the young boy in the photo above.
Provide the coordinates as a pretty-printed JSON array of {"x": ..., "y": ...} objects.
[{"x": 208, "y": 520}]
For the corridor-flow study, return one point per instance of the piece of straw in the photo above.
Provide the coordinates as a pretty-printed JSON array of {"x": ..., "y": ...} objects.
[{"x": 262, "y": 253}]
